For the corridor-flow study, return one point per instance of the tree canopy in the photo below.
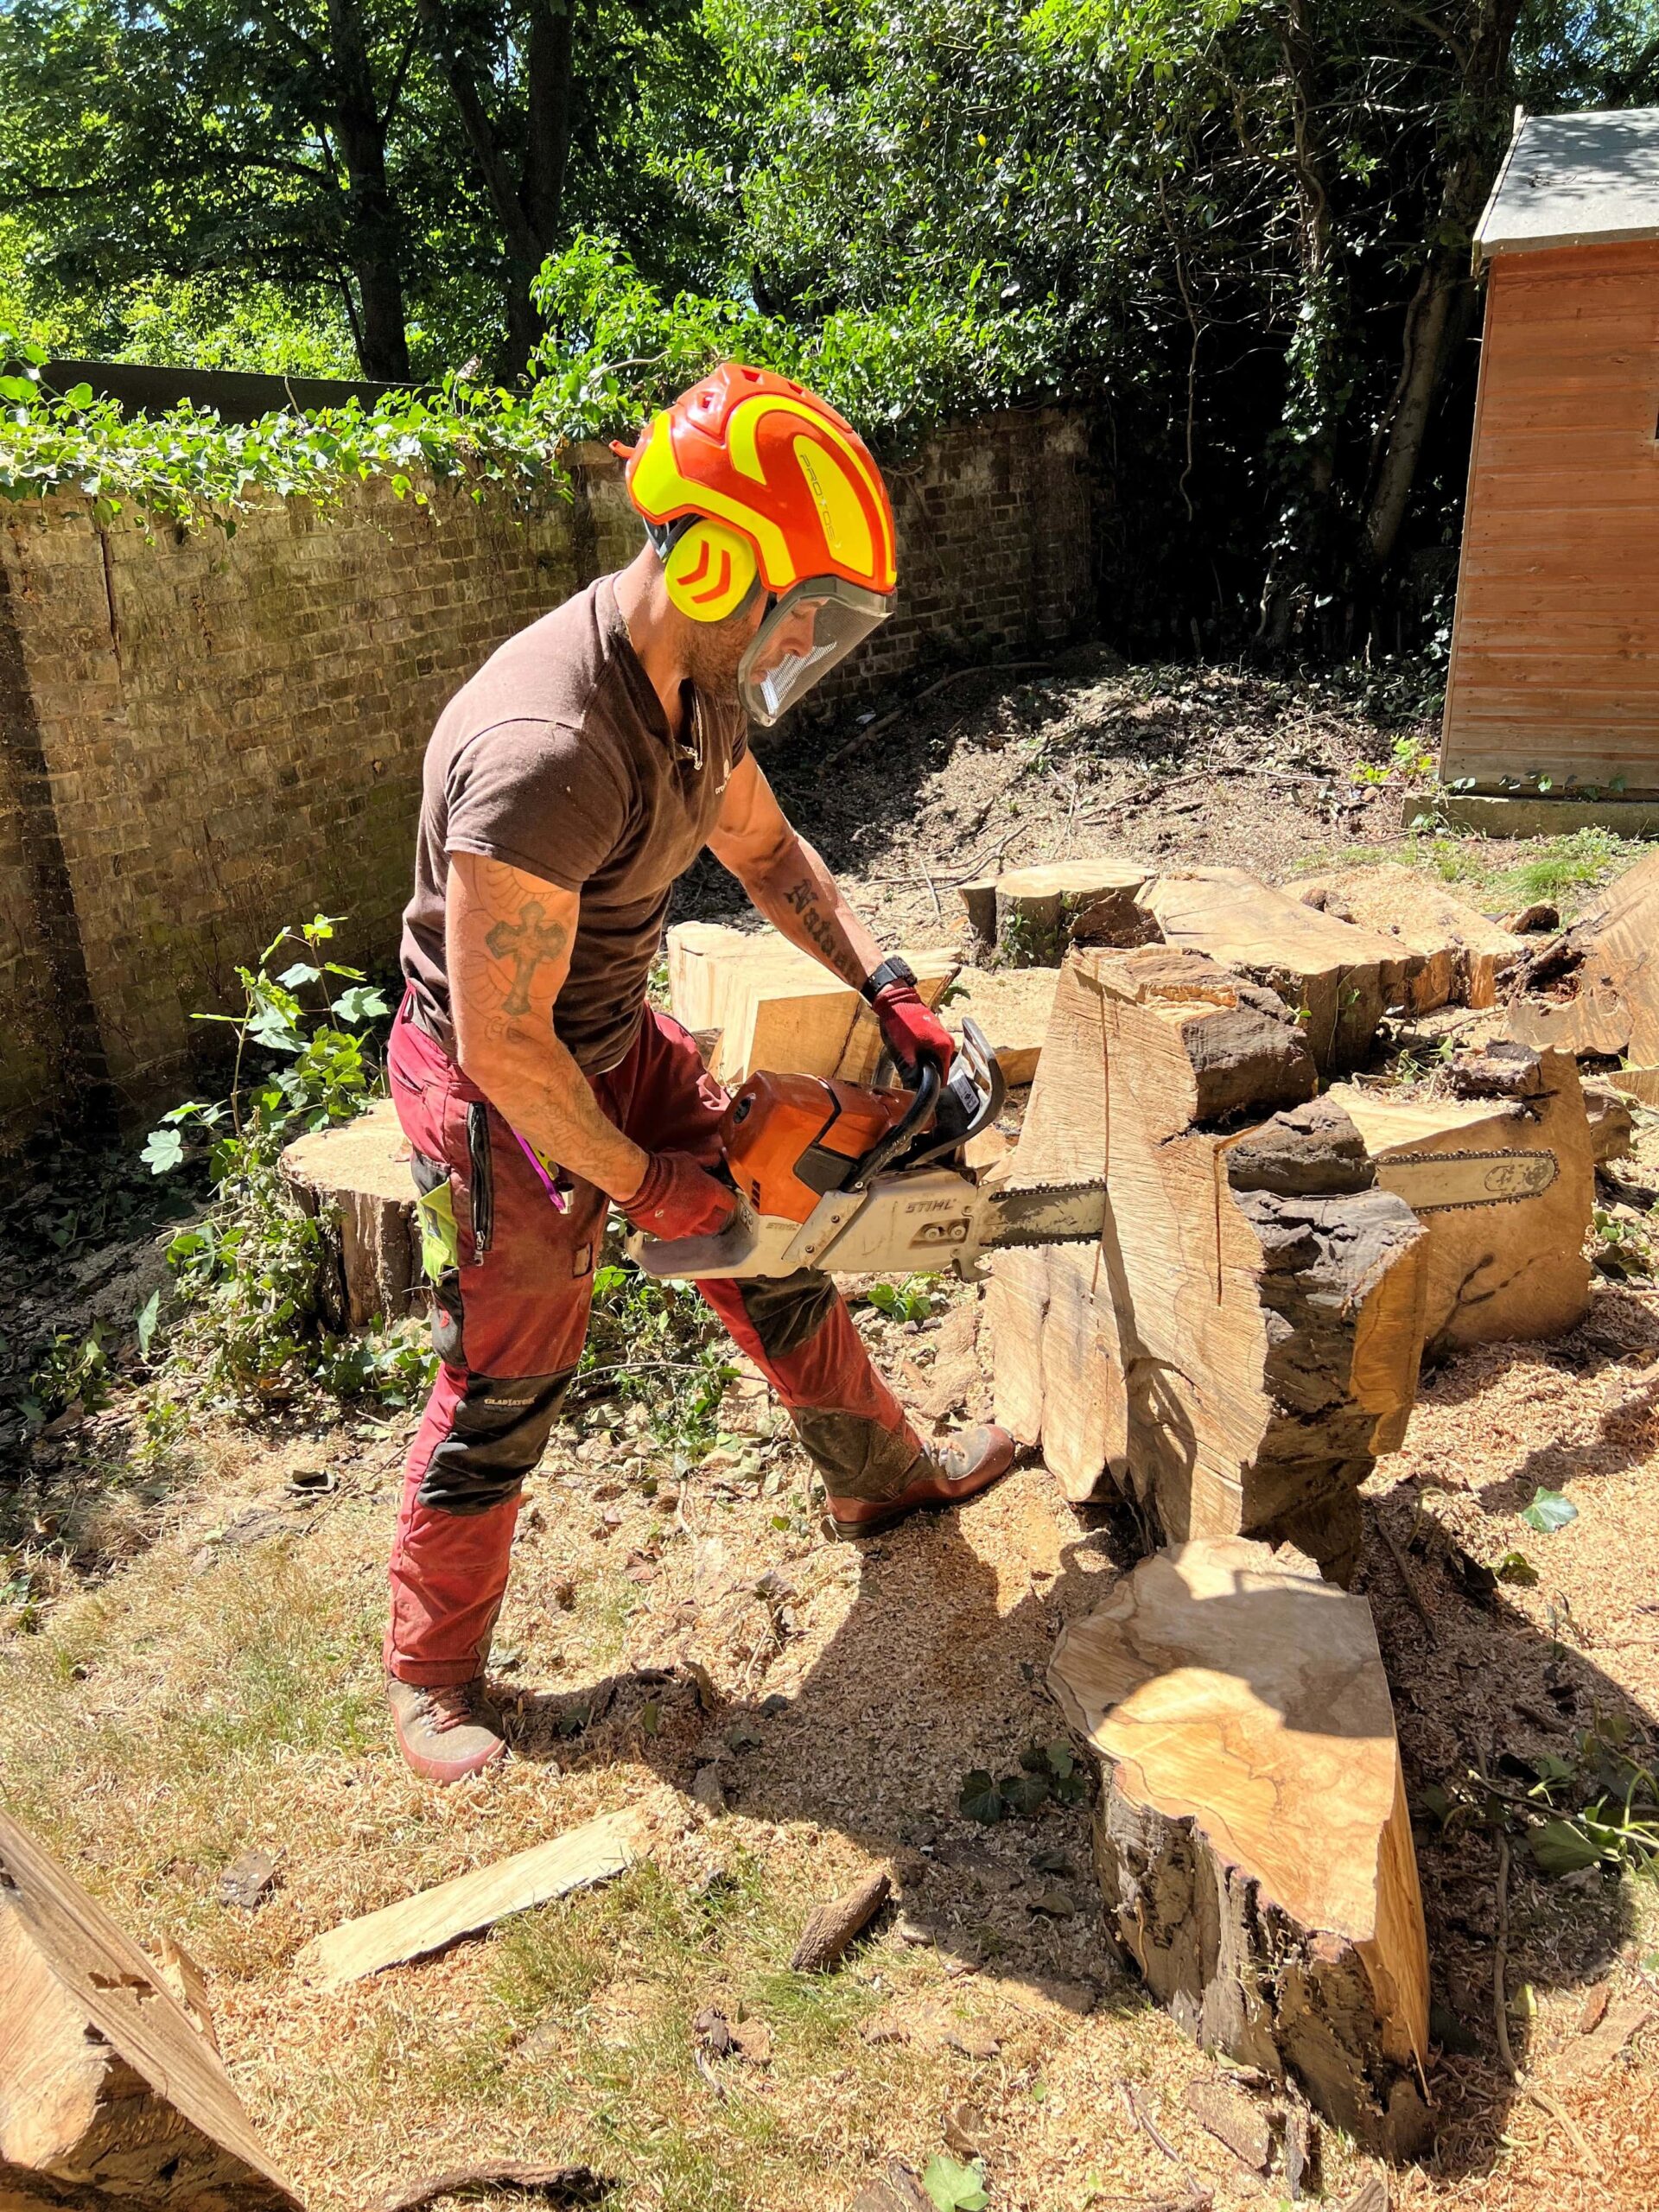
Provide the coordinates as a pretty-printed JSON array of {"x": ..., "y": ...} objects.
[{"x": 1237, "y": 230}]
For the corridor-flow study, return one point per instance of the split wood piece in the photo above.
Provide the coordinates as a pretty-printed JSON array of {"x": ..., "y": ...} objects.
[
  {"x": 1339, "y": 980},
  {"x": 1246, "y": 1339},
  {"x": 1613, "y": 1125},
  {"x": 1463, "y": 955},
  {"x": 109, "y": 2096},
  {"x": 418, "y": 1925},
  {"x": 1252, "y": 1837},
  {"x": 1029, "y": 916},
  {"x": 1014, "y": 1009},
  {"x": 775, "y": 1008},
  {"x": 1595, "y": 989},
  {"x": 355, "y": 1181},
  {"x": 559, "y": 2184},
  {"x": 189, "y": 1985},
  {"x": 1503, "y": 1177},
  {"x": 830, "y": 1928},
  {"x": 1232, "y": 2119}
]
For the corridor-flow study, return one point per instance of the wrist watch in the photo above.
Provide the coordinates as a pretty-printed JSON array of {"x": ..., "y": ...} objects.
[{"x": 892, "y": 970}]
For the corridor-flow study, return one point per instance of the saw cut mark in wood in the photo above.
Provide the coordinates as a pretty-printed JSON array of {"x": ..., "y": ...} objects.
[
  {"x": 775, "y": 1008},
  {"x": 1028, "y": 917},
  {"x": 1463, "y": 955},
  {"x": 108, "y": 2094},
  {"x": 1337, "y": 979},
  {"x": 1595, "y": 990},
  {"x": 1503, "y": 1179},
  {"x": 1246, "y": 1339},
  {"x": 1013, "y": 1008},
  {"x": 418, "y": 1925},
  {"x": 1252, "y": 1839},
  {"x": 355, "y": 1181}
]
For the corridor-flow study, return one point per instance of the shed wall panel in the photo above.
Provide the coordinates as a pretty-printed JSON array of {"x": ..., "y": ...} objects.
[{"x": 1555, "y": 642}]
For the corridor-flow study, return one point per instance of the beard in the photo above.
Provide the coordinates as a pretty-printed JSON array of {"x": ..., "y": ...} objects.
[{"x": 714, "y": 651}]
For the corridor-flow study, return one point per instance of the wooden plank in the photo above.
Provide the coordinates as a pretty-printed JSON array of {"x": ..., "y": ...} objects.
[{"x": 418, "y": 1925}]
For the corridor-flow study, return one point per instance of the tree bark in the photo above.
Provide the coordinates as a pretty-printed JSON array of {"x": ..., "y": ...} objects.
[{"x": 372, "y": 229}]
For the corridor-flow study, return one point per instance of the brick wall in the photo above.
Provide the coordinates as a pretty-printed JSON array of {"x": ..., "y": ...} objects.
[{"x": 208, "y": 736}]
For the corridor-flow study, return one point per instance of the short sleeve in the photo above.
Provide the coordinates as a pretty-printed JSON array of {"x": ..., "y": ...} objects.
[{"x": 543, "y": 797}]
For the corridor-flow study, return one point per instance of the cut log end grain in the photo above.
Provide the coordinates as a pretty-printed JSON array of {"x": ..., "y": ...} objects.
[
  {"x": 355, "y": 1179},
  {"x": 1502, "y": 1175},
  {"x": 1595, "y": 990},
  {"x": 1458, "y": 956},
  {"x": 1029, "y": 916},
  {"x": 831, "y": 1927},
  {"x": 1252, "y": 1839},
  {"x": 108, "y": 2092}
]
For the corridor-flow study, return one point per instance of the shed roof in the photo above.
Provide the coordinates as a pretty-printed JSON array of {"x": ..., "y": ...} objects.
[{"x": 1576, "y": 180}]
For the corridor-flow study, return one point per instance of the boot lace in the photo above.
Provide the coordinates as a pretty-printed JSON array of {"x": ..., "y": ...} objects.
[{"x": 449, "y": 1706}]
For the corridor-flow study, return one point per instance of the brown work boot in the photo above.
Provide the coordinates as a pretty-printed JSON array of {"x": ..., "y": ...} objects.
[
  {"x": 445, "y": 1732},
  {"x": 945, "y": 1474}
]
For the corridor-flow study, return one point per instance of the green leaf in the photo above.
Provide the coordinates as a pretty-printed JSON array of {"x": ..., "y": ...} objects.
[
  {"x": 149, "y": 1314},
  {"x": 953, "y": 2188},
  {"x": 164, "y": 1150},
  {"x": 1061, "y": 1757},
  {"x": 300, "y": 972},
  {"x": 1026, "y": 1793},
  {"x": 1436, "y": 1802},
  {"x": 1515, "y": 1567},
  {"x": 1561, "y": 1848},
  {"x": 1549, "y": 1511},
  {"x": 980, "y": 1798},
  {"x": 18, "y": 388},
  {"x": 362, "y": 1003}
]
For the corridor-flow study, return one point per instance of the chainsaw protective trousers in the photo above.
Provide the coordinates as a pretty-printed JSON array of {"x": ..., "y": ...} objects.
[{"x": 513, "y": 1277}]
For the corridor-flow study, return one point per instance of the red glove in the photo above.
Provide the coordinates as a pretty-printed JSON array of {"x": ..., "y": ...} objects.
[
  {"x": 678, "y": 1198},
  {"x": 911, "y": 1032}
]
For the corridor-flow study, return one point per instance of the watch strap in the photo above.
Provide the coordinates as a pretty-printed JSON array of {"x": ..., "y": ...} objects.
[{"x": 892, "y": 970}]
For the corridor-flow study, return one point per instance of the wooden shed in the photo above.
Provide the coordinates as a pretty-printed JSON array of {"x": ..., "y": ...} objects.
[{"x": 1555, "y": 674}]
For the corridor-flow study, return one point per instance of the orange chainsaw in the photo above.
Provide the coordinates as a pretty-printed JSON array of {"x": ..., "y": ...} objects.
[{"x": 870, "y": 1182}]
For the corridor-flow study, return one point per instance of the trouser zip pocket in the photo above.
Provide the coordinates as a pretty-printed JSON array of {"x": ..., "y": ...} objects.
[{"x": 483, "y": 1176}]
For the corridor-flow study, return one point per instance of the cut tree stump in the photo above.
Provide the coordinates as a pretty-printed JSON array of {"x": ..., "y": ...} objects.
[
  {"x": 1252, "y": 1838},
  {"x": 355, "y": 1179},
  {"x": 1012, "y": 1008},
  {"x": 775, "y": 1008},
  {"x": 1464, "y": 956},
  {"x": 1595, "y": 990},
  {"x": 109, "y": 2095},
  {"x": 1245, "y": 1341},
  {"x": 1507, "y": 1217},
  {"x": 1029, "y": 916},
  {"x": 1337, "y": 979}
]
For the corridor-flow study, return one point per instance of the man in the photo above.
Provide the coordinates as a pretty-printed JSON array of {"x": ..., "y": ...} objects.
[{"x": 567, "y": 786}]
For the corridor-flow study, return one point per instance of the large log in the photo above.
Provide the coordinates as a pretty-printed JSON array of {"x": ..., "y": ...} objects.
[
  {"x": 1251, "y": 1837},
  {"x": 1339, "y": 980},
  {"x": 1247, "y": 1339},
  {"x": 109, "y": 2096},
  {"x": 1029, "y": 916},
  {"x": 1595, "y": 990},
  {"x": 355, "y": 1178},
  {"x": 775, "y": 1008},
  {"x": 1507, "y": 1214},
  {"x": 1464, "y": 956}
]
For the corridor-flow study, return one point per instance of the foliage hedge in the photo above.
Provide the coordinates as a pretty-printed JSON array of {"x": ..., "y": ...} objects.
[{"x": 619, "y": 348}]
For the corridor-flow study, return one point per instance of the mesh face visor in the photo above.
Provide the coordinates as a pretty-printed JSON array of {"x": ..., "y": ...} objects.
[{"x": 816, "y": 623}]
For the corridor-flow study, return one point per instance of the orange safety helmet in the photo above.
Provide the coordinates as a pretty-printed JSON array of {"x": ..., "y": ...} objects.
[{"x": 750, "y": 478}]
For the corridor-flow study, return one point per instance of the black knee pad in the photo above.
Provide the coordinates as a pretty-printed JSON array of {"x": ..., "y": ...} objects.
[{"x": 499, "y": 1431}]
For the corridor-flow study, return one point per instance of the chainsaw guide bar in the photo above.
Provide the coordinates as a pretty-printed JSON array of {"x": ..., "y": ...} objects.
[{"x": 1443, "y": 1182}]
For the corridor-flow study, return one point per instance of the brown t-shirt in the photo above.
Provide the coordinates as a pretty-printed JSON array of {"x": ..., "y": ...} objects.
[{"x": 556, "y": 757}]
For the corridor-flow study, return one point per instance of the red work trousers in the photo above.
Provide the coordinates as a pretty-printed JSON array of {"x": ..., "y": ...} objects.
[{"x": 510, "y": 1312}]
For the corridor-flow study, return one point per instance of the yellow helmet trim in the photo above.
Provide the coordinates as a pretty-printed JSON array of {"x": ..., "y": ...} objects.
[
  {"x": 708, "y": 571},
  {"x": 846, "y": 532},
  {"x": 741, "y": 436},
  {"x": 661, "y": 492}
]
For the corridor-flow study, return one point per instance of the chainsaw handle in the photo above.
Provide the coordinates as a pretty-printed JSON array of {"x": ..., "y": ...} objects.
[{"x": 917, "y": 1114}]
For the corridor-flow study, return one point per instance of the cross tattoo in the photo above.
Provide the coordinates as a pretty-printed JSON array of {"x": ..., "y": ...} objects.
[{"x": 526, "y": 942}]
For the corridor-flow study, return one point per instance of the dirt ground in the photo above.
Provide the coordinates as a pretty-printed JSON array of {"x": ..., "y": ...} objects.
[{"x": 188, "y": 1668}]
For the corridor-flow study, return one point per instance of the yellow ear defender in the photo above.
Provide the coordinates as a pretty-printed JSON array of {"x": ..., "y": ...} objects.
[{"x": 709, "y": 569}]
